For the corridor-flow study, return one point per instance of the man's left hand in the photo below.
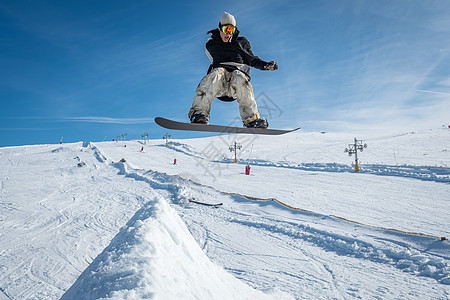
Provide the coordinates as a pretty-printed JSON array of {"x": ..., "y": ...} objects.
[{"x": 272, "y": 66}]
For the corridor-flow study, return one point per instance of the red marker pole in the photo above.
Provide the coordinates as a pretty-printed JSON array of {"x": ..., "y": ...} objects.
[{"x": 247, "y": 170}]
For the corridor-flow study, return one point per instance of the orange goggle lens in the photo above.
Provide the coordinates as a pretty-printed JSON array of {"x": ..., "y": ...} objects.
[{"x": 228, "y": 29}]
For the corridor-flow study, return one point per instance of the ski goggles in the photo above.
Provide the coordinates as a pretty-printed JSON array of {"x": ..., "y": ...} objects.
[{"x": 228, "y": 29}]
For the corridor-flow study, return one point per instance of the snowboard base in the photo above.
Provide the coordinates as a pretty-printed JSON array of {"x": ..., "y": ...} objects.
[{"x": 175, "y": 125}]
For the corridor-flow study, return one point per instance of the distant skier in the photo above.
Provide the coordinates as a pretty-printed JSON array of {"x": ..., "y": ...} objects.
[{"x": 228, "y": 76}]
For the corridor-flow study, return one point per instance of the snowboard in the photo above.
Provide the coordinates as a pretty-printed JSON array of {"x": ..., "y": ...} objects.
[
  {"x": 216, "y": 205},
  {"x": 175, "y": 125}
]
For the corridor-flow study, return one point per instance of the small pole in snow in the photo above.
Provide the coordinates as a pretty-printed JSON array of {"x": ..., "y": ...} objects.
[
  {"x": 174, "y": 157},
  {"x": 145, "y": 135},
  {"x": 166, "y": 137},
  {"x": 247, "y": 170},
  {"x": 247, "y": 167},
  {"x": 353, "y": 149},
  {"x": 236, "y": 146},
  {"x": 60, "y": 141}
]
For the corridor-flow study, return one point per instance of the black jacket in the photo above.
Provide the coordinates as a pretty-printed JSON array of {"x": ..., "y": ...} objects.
[{"x": 234, "y": 55}]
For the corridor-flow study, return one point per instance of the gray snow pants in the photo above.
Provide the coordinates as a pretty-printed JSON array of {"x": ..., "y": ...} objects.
[{"x": 221, "y": 83}]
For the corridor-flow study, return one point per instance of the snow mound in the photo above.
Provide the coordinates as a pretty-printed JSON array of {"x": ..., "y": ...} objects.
[{"x": 155, "y": 256}]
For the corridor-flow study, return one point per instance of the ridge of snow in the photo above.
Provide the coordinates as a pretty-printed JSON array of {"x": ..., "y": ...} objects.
[{"x": 155, "y": 256}]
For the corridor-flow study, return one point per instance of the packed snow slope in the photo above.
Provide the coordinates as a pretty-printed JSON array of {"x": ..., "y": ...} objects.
[{"x": 115, "y": 219}]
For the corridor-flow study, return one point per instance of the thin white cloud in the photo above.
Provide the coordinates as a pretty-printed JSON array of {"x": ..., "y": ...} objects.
[
  {"x": 98, "y": 119},
  {"x": 91, "y": 119},
  {"x": 28, "y": 129},
  {"x": 434, "y": 92}
]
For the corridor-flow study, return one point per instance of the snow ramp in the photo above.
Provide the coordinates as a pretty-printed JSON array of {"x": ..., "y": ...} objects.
[{"x": 155, "y": 256}]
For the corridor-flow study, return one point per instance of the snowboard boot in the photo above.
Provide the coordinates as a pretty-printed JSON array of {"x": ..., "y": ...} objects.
[
  {"x": 258, "y": 123},
  {"x": 199, "y": 119}
]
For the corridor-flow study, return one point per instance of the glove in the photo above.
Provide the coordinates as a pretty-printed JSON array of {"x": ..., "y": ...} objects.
[{"x": 272, "y": 66}]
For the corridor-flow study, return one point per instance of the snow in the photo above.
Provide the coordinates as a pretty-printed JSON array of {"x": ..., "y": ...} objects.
[
  {"x": 101, "y": 220},
  {"x": 150, "y": 256}
]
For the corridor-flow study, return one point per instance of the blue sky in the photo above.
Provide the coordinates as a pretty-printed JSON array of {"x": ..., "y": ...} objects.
[{"x": 93, "y": 70}]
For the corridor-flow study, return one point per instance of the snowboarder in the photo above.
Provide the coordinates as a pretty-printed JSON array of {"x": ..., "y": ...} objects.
[{"x": 228, "y": 76}]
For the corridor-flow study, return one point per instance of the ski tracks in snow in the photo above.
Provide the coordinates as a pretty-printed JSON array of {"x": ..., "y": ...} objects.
[
  {"x": 265, "y": 244},
  {"x": 311, "y": 254},
  {"x": 61, "y": 215},
  {"x": 426, "y": 173},
  {"x": 313, "y": 261}
]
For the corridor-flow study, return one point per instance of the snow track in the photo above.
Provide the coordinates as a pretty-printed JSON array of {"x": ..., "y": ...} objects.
[
  {"x": 128, "y": 229},
  {"x": 360, "y": 198},
  {"x": 397, "y": 252},
  {"x": 308, "y": 260},
  {"x": 427, "y": 173},
  {"x": 154, "y": 256},
  {"x": 54, "y": 225}
]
